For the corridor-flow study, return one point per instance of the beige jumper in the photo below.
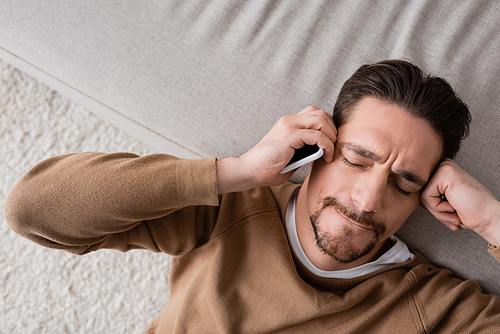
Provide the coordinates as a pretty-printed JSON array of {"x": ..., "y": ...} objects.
[{"x": 232, "y": 270}]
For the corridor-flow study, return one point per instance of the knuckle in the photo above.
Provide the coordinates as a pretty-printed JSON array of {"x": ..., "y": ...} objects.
[
  {"x": 284, "y": 120},
  {"x": 285, "y": 124},
  {"x": 445, "y": 168}
]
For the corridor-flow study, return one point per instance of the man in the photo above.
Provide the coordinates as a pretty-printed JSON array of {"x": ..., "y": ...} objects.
[{"x": 255, "y": 254}]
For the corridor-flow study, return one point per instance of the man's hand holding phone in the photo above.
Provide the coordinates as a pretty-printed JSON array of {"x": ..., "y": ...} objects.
[{"x": 261, "y": 166}]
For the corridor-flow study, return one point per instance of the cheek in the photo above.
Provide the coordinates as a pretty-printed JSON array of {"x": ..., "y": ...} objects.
[
  {"x": 335, "y": 172},
  {"x": 328, "y": 179},
  {"x": 399, "y": 212}
]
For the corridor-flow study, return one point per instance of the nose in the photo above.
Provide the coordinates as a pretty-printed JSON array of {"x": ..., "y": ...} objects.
[{"x": 368, "y": 191}]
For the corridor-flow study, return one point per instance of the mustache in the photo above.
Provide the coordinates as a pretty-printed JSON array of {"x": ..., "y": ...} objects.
[{"x": 360, "y": 217}]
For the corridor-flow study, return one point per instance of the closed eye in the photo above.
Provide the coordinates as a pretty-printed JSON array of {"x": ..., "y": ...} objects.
[
  {"x": 403, "y": 192},
  {"x": 394, "y": 183},
  {"x": 348, "y": 163}
]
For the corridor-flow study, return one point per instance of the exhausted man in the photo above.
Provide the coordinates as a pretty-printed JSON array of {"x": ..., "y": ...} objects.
[{"x": 256, "y": 254}]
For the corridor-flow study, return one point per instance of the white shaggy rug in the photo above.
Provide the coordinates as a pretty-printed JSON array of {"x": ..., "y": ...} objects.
[{"x": 50, "y": 291}]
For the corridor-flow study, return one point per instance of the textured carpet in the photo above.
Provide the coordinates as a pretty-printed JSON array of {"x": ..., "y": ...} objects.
[{"x": 50, "y": 291}]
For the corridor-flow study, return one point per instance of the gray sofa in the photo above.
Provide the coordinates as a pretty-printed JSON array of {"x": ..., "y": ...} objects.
[{"x": 200, "y": 78}]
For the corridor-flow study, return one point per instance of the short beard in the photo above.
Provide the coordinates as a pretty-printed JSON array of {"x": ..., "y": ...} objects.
[{"x": 339, "y": 247}]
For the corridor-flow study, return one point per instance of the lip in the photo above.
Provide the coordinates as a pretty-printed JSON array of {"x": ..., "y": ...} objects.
[{"x": 354, "y": 223}]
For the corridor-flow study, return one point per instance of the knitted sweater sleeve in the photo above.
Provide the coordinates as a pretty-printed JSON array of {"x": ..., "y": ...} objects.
[
  {"x": 444, "y": 303},
  {"x": 83, "y": 202}
]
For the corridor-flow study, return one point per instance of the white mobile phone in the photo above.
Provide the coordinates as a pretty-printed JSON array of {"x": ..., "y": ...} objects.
[{"x": 303, "y": 156}]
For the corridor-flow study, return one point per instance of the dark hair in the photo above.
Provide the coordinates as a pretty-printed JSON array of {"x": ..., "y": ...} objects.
[{"x": 403, "y": 84}]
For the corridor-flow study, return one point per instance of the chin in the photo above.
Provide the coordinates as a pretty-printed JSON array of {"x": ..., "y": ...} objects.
[
  {"x": 341, "y": 247},
  {"x": 343, "y": 233}
]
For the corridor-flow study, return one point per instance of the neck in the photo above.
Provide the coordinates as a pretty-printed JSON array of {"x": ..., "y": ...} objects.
[{"x": 307, "y": 240}]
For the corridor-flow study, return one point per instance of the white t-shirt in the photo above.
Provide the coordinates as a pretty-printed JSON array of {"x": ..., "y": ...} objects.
[{"x": 398, "y": 253}]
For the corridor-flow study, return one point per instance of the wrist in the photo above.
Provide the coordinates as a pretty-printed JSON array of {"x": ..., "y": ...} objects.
[
  {"x": 233, "y": 175},
  {"x": 492, "y": 234}
]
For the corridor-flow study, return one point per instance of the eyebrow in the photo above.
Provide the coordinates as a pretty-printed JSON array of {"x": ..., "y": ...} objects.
[
  {"x": 361, "y": 152},
  {"x": 410, "y": 176}
]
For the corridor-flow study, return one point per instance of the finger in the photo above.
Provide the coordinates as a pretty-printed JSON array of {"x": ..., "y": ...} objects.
[
  {"x": 434, "y": 192},
  {"x": 439, "y": 205},
  {"x": 435, "y": 202},
  {"x": 308, "y": 109},
  {"x": 447, "y": 217},
  {"x": 451, "y": 220},
  {"x": 291, "y": 129},
  {"x": 316, "y": 119},
  {"x": 314, "y": 137},
  {"x": 322, "y": 113},
  {"x": 451, "y": 226},
  {"x": 454, "y": 227},
  {"x": 445, "y": 206},
  {"x": 441, "y": 210}
]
